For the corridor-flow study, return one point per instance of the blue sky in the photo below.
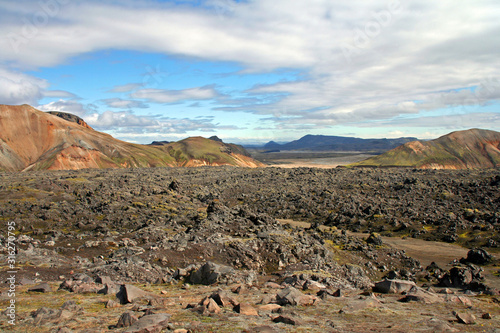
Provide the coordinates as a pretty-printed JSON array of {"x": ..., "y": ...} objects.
[{"x": 254, "y": 71}]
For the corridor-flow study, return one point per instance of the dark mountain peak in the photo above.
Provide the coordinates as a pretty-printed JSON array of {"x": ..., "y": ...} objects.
[
  {"x": 272, "y": 145},
  {"x": 215, "y": 138},
  {"x": 70, "y": 117}
]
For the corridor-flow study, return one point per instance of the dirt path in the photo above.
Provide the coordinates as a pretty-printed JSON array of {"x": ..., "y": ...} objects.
[{"x": 424, "y": 251}]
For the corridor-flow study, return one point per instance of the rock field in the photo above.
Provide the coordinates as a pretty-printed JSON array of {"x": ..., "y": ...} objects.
[{"x": 225, "y": 249}]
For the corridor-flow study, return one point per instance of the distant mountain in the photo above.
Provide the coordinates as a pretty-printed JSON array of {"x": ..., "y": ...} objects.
[
  {"x": 34, "y": 140},
  {"x": 339, "y": 143},
  {"x": 471, "y": 149}
]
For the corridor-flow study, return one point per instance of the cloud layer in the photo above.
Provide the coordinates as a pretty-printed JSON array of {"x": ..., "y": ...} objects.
[{"x": 360, "y": 61}]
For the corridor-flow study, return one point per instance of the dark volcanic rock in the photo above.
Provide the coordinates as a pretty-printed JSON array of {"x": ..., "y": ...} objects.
[
  {"x": 41, "y": 288},
  {"x": 477, "y": 257},
  {"x": 393, "y": 286}
]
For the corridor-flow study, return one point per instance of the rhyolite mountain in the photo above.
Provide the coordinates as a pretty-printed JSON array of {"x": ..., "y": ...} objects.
[
  {"x": 34, "y": 140},
  {"x": 339, "y": 143},
  {"x": 470, "y": 149}
]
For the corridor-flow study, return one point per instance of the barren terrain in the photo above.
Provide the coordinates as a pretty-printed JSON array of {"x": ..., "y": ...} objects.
[{"x": 293, "y": 250}]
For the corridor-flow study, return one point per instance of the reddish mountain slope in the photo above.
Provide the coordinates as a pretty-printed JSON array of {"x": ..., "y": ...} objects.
[
  {"x": 34, "y": 140},
  {"x": 471, "y": 149}
]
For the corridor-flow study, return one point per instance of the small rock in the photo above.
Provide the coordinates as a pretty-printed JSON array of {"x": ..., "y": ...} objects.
[
  {"x": 239, "y": 289},
  {"x": 64, "y": 330},
  {"x": 374, "y": 239},
  {"x": 487, "y": 315},
  {"x": 126, "y": 319},
  {"x": 128, "y": 293},
  {"x": 272, "y": 285},
  {"x": 269, "y": 307},
  {"x": 25, "y": 281},
  {"x": 41, "y": 288},
  {"x": 262, "y": 329},
  {"x": 246, "y": 309},
  {"x": 72, "y": 306},
  {"x": 287, "y": 320},
  {"x": 293, "y": 296},
  {"x": 387, "y": 286},
  {"x": 466, "y": 318},
  {"x": 150, "y": 324},
  {"x": 112, "y": 304}
]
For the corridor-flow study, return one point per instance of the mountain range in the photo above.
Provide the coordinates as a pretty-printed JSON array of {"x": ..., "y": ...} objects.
[
  {"x": 34, "y": 140},
  {"x": 470, "y": 149},
  {"x": 338, "y": 143}
]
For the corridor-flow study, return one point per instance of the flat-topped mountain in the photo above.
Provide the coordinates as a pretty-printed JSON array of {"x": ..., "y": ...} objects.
[
  {"x": 338, "y": 143},
  {"x": 34, "y": 140},
  {"x": 470, "y": 149}
]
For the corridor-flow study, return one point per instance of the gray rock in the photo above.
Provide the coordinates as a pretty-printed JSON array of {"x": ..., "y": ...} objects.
[
  {"x": 128, "y": 293},
  {"x": 72, "y": 306},
  {"x": 393, "y": 286},
  {"x": 41, "y": 288},
  {"x": 127, "y": 319},
  {"x": 210, "y": 273},
  {"x": 466, "y": 318},
  {"x": 154, "y": 323},
  {"x": 422, "y": 296},
  {"x": 292, "y": 296}
]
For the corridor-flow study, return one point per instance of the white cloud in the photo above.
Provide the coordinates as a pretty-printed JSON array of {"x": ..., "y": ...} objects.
[
  {"x": 69, "y": 106},
  {"x": 59, "y": 93},
  {"x": 175, "y": 96},
  {"x": 403, "y": 57},
  {"x": 125, "y": 88},
  {"x": 119, "y": 103},
  {"x": 18, "y": 88},
  {"x": 109, "y": 120}
]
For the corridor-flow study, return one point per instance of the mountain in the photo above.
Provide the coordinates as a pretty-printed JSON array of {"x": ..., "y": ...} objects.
[
  {"x": 70, "y": 117},
  {"x": 34, "y": 140},
  {"x": 471, "y": 149},
  {"x": 339, "y": 143}
]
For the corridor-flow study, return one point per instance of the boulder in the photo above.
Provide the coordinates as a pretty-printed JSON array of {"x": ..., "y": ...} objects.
[
  {"x": 209, "y": 273},
  {"x": 477, "y": 257},
  {"x": 387, "y": 286},
  {"x": 422, "y": 296},
  {"x": 292, "y": 296},
  {"x": 246, "y": 309},
  {"x": 465, "y": 318},
  {"x": 128, "y": 293},
  {"x": 127, "y": 319},
  {"x": 460, "y": 277},
  {"x": 154, "y": 323},
  {"x": 374, "y": 239},
  {"x": 290, "y": 320},
  {"x": 41, "y": 288}
]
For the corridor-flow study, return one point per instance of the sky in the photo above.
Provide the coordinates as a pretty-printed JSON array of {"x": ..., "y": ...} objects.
[{"x": 252, "y": 71}]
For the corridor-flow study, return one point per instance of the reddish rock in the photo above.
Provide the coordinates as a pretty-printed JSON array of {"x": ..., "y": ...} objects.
[{"x": 246, "y": 309}]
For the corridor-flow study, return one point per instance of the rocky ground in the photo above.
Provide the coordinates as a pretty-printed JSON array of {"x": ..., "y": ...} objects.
[{"x": 259, "y": 250}]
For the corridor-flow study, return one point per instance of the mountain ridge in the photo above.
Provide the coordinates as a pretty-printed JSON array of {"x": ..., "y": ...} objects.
[
  {"x": 339, "y": 143},
  {"x": 469, "y": 149},
  {"x": 34, "y": 140}
]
